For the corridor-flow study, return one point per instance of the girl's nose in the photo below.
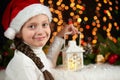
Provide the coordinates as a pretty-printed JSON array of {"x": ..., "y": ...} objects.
[{"x": 40, "y": 30}]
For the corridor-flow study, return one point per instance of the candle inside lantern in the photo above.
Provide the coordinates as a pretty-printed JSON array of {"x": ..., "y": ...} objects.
[{"x": 74, "y": 61}]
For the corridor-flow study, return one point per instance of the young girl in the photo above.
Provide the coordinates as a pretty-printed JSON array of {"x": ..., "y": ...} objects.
[{"x": 27, "y": 22}]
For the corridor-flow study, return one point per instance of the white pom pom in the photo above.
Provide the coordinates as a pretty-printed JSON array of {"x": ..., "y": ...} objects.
[{"x": 10, "y": 33}]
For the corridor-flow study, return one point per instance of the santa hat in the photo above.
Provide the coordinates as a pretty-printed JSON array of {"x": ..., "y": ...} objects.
[{"x": 18, "y": 12}]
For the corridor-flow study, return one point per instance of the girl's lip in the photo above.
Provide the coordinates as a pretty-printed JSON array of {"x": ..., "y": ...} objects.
[{"x": 40, "y": 38}]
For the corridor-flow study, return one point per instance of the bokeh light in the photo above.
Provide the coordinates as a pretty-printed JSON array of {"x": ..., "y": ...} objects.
[{"x": 90, "y": 18}]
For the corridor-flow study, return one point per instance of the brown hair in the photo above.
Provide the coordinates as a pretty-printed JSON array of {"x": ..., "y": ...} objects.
[{"x": 25, "y": 49}]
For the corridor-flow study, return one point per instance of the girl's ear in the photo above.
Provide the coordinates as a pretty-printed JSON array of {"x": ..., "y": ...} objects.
[{"x": 18, "y": 35}]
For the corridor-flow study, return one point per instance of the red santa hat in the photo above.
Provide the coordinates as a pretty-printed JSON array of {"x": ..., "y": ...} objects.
[{"x": 18, "y": 12}]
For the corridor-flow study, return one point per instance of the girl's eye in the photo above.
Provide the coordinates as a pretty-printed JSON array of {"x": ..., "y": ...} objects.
[
  {"x": 32, "y": 26},
  {"x": 45, "y": 25}
]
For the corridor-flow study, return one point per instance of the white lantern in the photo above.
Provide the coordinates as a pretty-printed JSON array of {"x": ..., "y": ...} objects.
[{"x": 73, "y": 56}]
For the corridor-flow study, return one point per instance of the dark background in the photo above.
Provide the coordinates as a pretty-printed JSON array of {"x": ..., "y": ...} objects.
[{"x": 90, "y": 12}]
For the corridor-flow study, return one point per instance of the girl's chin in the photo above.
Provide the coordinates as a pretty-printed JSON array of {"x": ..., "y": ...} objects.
[{"x": 39, "y": 45}]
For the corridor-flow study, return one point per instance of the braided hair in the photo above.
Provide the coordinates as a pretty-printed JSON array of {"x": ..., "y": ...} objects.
[{"x": 25, "y": 49}]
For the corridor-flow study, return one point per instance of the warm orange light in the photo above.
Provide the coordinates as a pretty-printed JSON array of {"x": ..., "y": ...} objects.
[
  {"x": 50, "y": 2},
  {"x": 97, "y": 8},
  {"x": 72, "y": 4},
  {"x": 41, "y": 1},
  {"x": 105, "y": 1},
  {"x": 58, "y": 3},
  {"x": 62, "y": 5},
  {"x": 80, "y": 12},
  {"x": 97, "y": 21},
  {"x": 85, "y": 18},
  {"x": 93, "y": 33},
  {"x": 72, "y": 14},
  {"x": 99, "y": 4},
  {"x": 108, "y": 34},
  {"x": 95, "y": 17},
  {"x": 110, "y": 3},
  {"x": 55, "y": 19},
  {"x": 104, "y": 19},
  {"x": 57, "y": 11},
  {"x": 110, "y": 8},
  {"x": 104, "y": 27},
  {"x": 51, "y": 9},
  {"x": 95, "y": 29},
  {"x": 74, "y": 8},
  {"x": 79, "y": 20},
  {"x": 115, "y": 23},
  {"x": 87, "y": 27},
  {"x": 81, "y": 29},
  {"x": 93, "y": 24},
  {"x": 66, "y": 7},
  {"x": 98, "y": 25},
  {"x": 94, "y": 41},
  {"x": 114, "y": 40}
]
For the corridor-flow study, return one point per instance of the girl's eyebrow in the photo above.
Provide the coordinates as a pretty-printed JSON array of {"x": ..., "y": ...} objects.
[{"x": 46, "y": 20}]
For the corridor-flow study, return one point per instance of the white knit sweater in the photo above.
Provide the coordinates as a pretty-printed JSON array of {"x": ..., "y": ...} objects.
[{"x": 22, "y": 67}]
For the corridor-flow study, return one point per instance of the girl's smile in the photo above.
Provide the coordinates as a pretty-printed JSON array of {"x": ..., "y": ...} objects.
[
  {"x": 39, "y": 38},
  {"x": 36, "y": 32}
]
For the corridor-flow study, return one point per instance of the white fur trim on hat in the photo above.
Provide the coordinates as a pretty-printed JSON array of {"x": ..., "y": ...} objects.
[
  {"x": 23, "y": 16},
  {"x": 10, "y": 33}
]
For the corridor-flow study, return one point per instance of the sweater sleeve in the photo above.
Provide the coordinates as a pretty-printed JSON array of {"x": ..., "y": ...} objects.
[
  {"x": 54, "y": 50},
  {"x": 22, "y": 67}
]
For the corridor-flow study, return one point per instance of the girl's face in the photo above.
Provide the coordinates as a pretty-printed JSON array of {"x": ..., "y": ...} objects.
[{"x": 36, "y": 32}]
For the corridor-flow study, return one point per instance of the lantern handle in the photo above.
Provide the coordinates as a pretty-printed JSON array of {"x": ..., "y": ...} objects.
[{"x": 70, "y": 33}]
